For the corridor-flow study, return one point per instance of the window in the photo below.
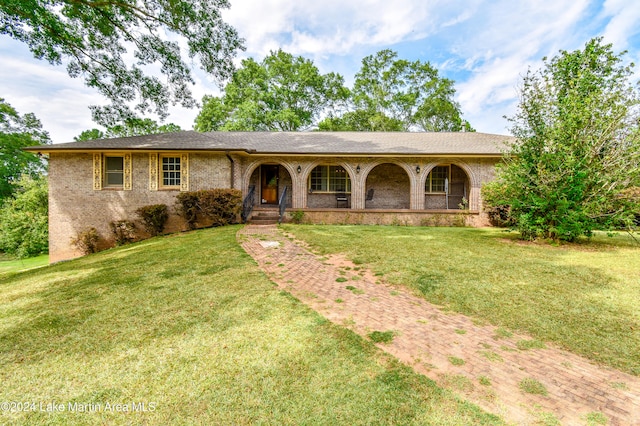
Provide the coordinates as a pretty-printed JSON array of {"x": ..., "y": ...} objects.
[
  {"x": 171, "y": 171},
  {"x": 329, "y": 179},
  {"x": 114, "y": 171},
  {"x": 436, "y": 179}
]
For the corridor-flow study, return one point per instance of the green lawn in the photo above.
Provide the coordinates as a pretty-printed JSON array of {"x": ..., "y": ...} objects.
[
  {"x": 9, "y": 265},
  {"x": 189, "y": 326},
  {"x": 584, "y": 297}
]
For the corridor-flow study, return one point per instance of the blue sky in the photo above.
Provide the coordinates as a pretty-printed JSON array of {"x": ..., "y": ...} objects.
[{"x": 485, "y": 46}]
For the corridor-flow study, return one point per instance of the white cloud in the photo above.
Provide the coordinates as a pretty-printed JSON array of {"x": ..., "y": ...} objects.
[
  {"x": 624, "y": 17},
  {"x": 333, "y": 26},
  {"x": 486, "y": 46}
]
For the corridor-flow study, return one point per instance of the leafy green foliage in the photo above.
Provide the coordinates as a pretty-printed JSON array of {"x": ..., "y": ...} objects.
[
  {"x": 281, "y": 93},
  {"x": 495, "y": 203},
  {"x": 16, "y": 132},
  {"x": 124, "y": 231},
  {"x": 95, "y": 39},
  {"x": 215, "y": 207},
  {"x": 391, "y": 94},
  {"x": 87, "y": 241},
  {"x": 153, "y": 218},
  {"x": 577, "y": 149},
  {"x": 130, "y": 127},
  {"x": 24, "y": 219},
  {"x": 361, "y": 121}
]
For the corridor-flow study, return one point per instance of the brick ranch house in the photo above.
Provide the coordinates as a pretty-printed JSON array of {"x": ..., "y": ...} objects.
[{"x": 337, "y": 177}]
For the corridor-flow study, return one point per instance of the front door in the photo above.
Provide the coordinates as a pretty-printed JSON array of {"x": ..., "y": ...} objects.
[{"x": 269, "y": 186}]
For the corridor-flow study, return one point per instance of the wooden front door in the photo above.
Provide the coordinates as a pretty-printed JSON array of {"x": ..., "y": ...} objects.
[{"x": 269, "y": 183}]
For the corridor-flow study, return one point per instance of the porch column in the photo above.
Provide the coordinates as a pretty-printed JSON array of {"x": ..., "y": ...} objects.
[
  {"x": 299, "y": 192},
  {"x": 358, "y": 192},
  {"x": 416, "y": 201},
  {"x": 474, "y": 198}
]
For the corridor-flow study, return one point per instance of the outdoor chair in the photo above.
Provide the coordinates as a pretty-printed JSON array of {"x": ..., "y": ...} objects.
[{"x": 341, "y": 197}]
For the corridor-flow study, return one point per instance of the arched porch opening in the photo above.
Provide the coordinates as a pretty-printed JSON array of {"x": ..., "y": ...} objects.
[
  {"x": 270, "y": 180},
  {"x": 329, "y": 186},
  {"x": 388, "y": 187},
  {"x": 447, "y": 188}
]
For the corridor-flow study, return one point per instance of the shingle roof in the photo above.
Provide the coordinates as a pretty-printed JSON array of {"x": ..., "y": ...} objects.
[{"x": 318, "y": 143}]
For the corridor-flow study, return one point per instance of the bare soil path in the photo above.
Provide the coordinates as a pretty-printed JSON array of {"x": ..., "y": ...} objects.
[{"x": 478, "y": 362}]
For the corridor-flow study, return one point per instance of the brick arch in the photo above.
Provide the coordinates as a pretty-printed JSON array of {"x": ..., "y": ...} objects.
[
  {"x": 474, "y": 180},
  {"x": 367, "y": 167},
  {"x": 310, "y": 166},
  {"x": 473, "y": 193},
  {"x": 251, "y": 168},
  {"x": 325, "y": 199},
  {"x": 391, "y": 189}
]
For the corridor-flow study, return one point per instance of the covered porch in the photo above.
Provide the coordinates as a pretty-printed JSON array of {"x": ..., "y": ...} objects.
[{"x": 411, "y": 191}]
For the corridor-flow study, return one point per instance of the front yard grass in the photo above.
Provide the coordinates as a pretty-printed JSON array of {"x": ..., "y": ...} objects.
[
  {"x": 10, "y": 265},
  {"x": 189, "y": 324},
  {"x": 583, "y": 297}
]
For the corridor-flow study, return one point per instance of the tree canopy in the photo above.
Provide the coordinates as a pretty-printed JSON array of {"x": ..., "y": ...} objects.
[
  {"x": 391, "y": 94},
  {"x": 16, "y": 132},
  {"x": 281, "y": 93},
  {"x": 287, "y": 93},
  {"x": 577, "y": 156},
  {"x": 24, "y": 218},
  {"x": 131, "y": 127},
  {"x": 98, "y": 40}
]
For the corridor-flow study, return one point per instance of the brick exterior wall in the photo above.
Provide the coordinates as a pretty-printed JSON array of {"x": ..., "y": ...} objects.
[
  {"x": 75, "y": 206},
  {"x": 391, "y": 187}
]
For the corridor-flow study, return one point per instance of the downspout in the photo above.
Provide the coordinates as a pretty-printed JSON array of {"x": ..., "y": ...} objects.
[{"x": 233, "y": 169}]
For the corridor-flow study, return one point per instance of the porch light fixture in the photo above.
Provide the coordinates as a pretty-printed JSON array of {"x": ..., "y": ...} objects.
[
  {"x": 358, "y": 169},
  {"x": 299, "y": 169},
  {"x": 417, "y": 169}
]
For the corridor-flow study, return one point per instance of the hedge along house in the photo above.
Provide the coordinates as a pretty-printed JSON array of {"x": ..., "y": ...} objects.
[{"x": 333, "y": 177}]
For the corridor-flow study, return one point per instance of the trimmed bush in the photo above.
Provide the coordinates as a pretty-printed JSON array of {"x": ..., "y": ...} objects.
[
  {"x": 153, "y": 218},
  {"x": 87, "y": 241},
  {"x": 215, "y": 207},
  {"x": 124, "y": 232}
]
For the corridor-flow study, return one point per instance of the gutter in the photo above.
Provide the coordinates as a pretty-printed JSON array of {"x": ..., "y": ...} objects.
[{"x": 233, "y": 169}]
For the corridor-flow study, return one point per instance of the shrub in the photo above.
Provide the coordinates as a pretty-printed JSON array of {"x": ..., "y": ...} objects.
[
  {"x": 87, "y": 241},
  {"x": 297, "y": 216},
  {"x": 123, "y": 231},
  {"x": 494, "y": 204},
  {"x": 153, "y": 218},
  {"x": 217, "y": 206}
]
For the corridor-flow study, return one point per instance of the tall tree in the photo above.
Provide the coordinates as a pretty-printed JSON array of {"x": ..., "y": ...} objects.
[
  {"x": 281, "y": 93},
  {"x": 96, "y": 38},
  {"x": 131, "y": 127},
  {"x": 16, "y": 132},
  {"x": 578, "y": 146},
  {"x": 24, "y": 218},
  {"x": 391, "y": 94}
]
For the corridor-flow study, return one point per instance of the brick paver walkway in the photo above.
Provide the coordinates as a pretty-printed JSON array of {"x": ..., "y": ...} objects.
[{"x": 435, "y": 343}]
